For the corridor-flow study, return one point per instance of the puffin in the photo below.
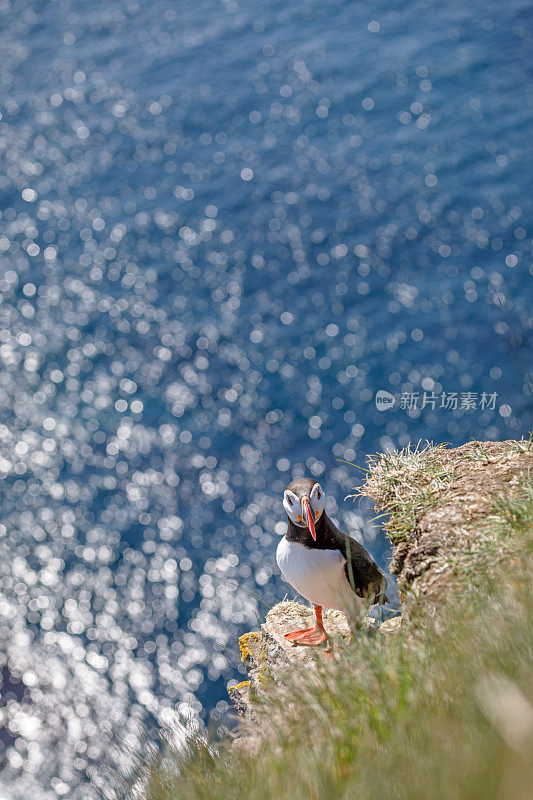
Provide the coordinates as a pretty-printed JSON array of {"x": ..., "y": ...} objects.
[{"x": 323, "y": 564}]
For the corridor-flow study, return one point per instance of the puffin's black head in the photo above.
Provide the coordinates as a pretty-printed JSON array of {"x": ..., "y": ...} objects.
[{"x": 304, "y": 500}]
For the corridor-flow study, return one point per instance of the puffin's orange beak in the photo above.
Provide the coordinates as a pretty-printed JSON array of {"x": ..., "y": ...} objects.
[{"x": 309, "y": 517}]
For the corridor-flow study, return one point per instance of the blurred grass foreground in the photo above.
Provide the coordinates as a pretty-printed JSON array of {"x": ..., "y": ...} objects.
[{"x": 440, "y": 708}]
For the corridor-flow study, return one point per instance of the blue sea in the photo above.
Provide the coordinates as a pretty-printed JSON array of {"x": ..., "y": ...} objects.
[{"x": 225, "y": 227}]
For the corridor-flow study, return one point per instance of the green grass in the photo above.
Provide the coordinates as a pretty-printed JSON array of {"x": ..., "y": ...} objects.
[
  {"x": 441, "y": 710},
  {"x": 405, "y": 483}
]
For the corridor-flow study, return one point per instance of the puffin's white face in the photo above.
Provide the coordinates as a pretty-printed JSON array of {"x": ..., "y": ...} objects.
[{"x": 296, "y": 506}]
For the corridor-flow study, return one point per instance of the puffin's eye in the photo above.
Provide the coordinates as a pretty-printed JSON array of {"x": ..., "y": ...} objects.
[
  {"x": 289, "y": 501},
  {"x": 318, "y": 495}
]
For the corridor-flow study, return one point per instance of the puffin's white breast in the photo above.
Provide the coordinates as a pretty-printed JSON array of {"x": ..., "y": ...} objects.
[{"x": 317, "y": 574}]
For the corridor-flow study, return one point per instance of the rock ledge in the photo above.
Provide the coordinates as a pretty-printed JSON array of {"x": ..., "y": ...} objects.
[{"x": 266, "y": 653}]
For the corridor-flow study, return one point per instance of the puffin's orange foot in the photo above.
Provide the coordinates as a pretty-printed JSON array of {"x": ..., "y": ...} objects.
[{"x": 308, "y": 636}]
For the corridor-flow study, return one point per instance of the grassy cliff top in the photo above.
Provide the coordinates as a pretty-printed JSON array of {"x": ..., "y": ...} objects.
[
  {"x": 441, "y": 505},
  {"x": 441, "y": 709}
]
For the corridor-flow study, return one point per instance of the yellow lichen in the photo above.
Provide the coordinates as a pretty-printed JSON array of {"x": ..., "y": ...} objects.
[
  {"x": 238, "y": 689},
  {"x": 244, "y": 644}
]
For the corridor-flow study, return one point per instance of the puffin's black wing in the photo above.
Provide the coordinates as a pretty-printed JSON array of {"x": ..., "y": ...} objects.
[{"x": 363, "y": 574}]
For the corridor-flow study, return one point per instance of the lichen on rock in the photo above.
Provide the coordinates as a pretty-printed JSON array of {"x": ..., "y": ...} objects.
[{"x": 266, "y": 653}]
